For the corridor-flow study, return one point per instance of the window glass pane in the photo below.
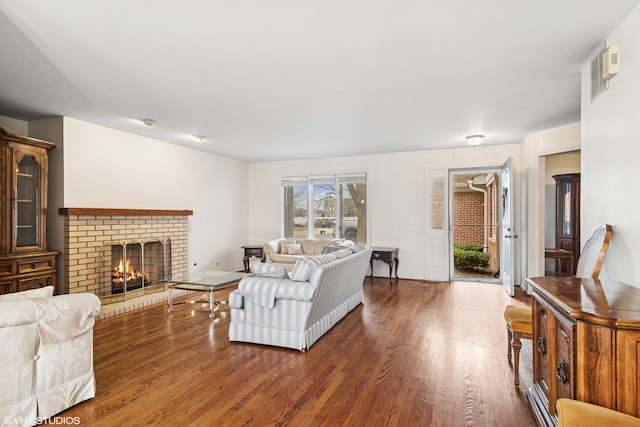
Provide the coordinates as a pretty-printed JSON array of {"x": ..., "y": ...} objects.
[
  {"x": 353, "y": 218},
  {"x": 295, "y": 211},
  {"x": 311, "y": 204},
  {"x": 436, "y": 203},
  {"x": 324, "y": 210},
  {"x": 27, "y": 208}
]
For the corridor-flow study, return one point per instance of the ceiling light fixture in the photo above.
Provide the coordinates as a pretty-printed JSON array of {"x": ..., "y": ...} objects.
[
  {"x": 200, "y": 138},
  {"x": 148, "y": 122},
  {"x": 475, "y": 140}
]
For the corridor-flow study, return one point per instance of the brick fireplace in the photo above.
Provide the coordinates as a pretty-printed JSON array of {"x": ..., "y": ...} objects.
[{"x": 95, "y": 235}]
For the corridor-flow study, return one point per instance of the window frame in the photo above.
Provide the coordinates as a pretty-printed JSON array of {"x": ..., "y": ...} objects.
[{"x": 339, "y": 183}]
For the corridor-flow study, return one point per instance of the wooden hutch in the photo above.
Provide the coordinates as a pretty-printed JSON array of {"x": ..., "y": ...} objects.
[
  {"x": 25, "y": 262},
  {"x": 568, "y": 215}
]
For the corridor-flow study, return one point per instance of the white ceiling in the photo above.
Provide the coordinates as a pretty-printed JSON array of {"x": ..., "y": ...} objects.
[{"x": 290, "y": 79}]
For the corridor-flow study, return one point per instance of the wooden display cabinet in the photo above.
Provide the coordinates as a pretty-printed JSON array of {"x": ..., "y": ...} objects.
[
  {"x": 568, "y": 214},
  {"x": 586, "y": 345},
  {"x": 25, "y": 262}
]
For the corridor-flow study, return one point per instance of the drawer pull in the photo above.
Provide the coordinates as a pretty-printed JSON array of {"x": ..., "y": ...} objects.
[
  {"x": 542, "y": 345},
  {"x": 33, "y": 266},
  {"x": 562, "y": 372}
]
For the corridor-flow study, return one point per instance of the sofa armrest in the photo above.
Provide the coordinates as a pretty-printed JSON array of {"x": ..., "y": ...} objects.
[
  {"x": 66, "y": 316},
  {"x": 269, "y": 248},
  {"x": 265, "y": 290}
]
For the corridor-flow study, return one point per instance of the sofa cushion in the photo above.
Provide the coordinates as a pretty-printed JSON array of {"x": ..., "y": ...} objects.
[
  {"x": 268, "y": 270},
  {"x": 314, "y": 246},
  {"x": 329, "y": 249},
  {"x": 357, "y": 247},
  {"x": 293, "y": 249},
  {"x": 44, "y": 292},
  {"x": 282, "y": 245},
  {"x": 284, "y": 259},
  {"x": 302, "y": 269}
]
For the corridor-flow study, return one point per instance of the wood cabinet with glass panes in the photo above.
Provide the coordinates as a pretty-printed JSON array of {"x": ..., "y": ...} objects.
[
  {"x": 568, "y": 214},
  {"x": 25, "y": 262}
]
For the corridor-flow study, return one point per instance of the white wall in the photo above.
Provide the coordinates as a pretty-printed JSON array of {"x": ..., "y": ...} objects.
[
  {"x": 106, "y": 168},
  {"x": 610, "y": 154},
  {"x": 535, "y": 147},
  {"x": 396, "y": 195},
  {"x": 94, "y": 166},
  {"x": 14, "y": 126}
]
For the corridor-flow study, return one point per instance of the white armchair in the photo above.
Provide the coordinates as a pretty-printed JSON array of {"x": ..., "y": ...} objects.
[{"x": 46, "y": 353}]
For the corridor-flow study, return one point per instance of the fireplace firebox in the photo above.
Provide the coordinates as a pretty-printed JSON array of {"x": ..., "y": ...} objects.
[{"x": 133, "y": 268}]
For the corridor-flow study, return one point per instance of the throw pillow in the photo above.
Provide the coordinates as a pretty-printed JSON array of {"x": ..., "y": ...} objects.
[
  {"x": 329, "y": 249},
  {"x": 276, "y": 271},
  {"x": 294, "y": 249},
  {"x": 44, "y": 292},
  {"x": 302, "y": 269}
]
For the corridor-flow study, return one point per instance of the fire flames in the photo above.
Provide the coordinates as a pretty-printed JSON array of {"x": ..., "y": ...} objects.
[{"x": 121, "y": 274}]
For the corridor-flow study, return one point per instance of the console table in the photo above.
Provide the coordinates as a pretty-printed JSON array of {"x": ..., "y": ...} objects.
[
  {"x": 249, "y": 251},
  {"x": 386, "y": 255},
  {"x": 586, "y": 345}
]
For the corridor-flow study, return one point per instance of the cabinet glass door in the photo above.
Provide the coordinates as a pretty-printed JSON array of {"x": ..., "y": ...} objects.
[
  {"x": 566, "y": 208},
  {"x": 26, "y": 202}
]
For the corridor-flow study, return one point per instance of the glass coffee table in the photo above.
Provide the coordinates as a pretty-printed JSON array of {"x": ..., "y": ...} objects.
[{"x": 205, "y": 281}]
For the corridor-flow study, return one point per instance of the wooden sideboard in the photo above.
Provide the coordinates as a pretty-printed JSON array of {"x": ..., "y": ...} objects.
[{"x": 586, "y": 345}]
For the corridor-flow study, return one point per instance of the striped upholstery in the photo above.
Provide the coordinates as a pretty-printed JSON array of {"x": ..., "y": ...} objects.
[{"x": 295, "y": 314}]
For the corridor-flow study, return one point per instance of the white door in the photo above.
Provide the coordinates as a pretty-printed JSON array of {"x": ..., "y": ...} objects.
[{"x": 508, "y": 232}]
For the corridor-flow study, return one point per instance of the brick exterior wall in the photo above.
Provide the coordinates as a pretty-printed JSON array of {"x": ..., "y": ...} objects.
[
  {"x": 468, "y": 209},
  {"x": 86, "y": 234}
]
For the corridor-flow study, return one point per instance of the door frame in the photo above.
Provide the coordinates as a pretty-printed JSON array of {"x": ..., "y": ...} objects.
[{"x": 451, "y": 206}]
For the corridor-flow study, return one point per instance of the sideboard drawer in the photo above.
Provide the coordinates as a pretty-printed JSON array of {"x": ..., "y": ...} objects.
[
  {"x": 35, "y": 283},
  {"x": 36, "y": 264},
  {"x": 6, "y": 268}
]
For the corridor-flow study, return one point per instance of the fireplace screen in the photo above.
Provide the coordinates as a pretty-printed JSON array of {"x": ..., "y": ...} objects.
[{"x": 130, "y": 269}]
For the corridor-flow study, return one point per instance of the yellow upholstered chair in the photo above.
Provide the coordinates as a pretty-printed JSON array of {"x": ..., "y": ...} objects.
[
  {"x": 573, "y": 413},
  {"x": 519, "y": 320}
]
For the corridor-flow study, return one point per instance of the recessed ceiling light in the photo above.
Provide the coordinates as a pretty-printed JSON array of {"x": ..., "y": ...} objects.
[
  {"x": 199, "y": 138},
  {"x": 148, "y": 122},
  {"x": 474, "y": 140}
]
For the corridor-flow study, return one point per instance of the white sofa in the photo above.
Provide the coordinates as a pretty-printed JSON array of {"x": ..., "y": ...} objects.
[
  {"x": 286, "y": 251},
  {"x": 46, "y": 353},
  {"x": 295, "y": 309}
]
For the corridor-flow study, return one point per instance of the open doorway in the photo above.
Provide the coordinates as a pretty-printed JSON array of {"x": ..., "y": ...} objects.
[
  {"x": 475, "y": 224},
  {"x": 561, "y": 232}
]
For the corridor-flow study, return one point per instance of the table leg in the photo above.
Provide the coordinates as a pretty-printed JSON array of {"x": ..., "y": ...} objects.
[
  {"x": 245, "y": 260},
  {"x": 211, "y": 304},
  {"x": 371, "y": 265},
  {"x": 396, "y": 266},
  {"x": 170, "y": 300}
]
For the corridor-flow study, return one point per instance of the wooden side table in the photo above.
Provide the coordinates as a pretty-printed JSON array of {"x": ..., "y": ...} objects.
[
  {"x": 249, "y": 251},
  {"x": 386, "y": 255}
]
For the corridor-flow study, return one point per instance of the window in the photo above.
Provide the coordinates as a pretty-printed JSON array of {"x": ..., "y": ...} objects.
[{"x": 324, "y": 207}]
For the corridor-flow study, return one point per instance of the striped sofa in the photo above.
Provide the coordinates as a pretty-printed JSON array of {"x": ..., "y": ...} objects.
[{"x": 294, "y": 309}]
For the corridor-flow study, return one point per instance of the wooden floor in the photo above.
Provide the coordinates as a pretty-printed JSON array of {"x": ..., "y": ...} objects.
[{"x": 414, "y": 354}]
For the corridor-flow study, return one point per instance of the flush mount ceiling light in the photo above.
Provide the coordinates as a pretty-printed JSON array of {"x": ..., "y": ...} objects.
[
  {"x": 475, "y": 140},
  {"x": 199, "y": 138},
  {"x": 148, "y": 122}
]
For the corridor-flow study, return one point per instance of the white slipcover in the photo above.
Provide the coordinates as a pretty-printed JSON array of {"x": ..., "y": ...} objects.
[{"x": 46, "y": 354}]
